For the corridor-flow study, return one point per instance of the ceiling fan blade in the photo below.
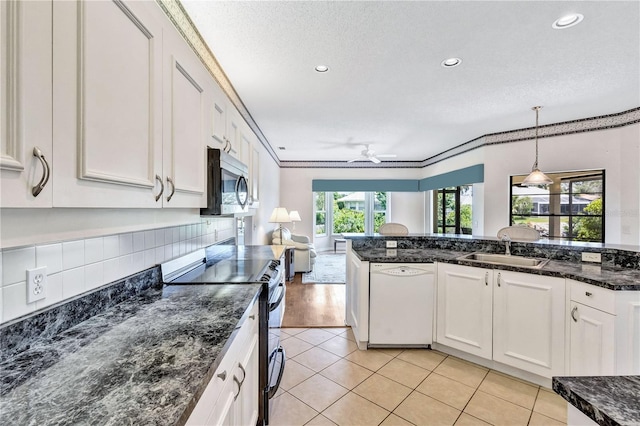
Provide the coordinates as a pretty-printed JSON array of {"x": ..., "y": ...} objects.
[
  {"x": 354, "y": 160},
  {"x": 374, "y": 160}
]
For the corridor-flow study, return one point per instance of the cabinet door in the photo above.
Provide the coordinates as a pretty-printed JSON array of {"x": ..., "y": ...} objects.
[
  {"x": 592, "y": 342},
  {"x": 357, "y": 297},
  {"x": 107, "y": 103},
  {"x": 218, "y": 119},
  {"x": 233, "y": 130},
  {"x": 254, "y": 175},
  {"x": 246, "y": 404},
  {"x": 464, "y": 304},
  {"x": 187, "y": 91},
  {"x": 25, "y": 102},
  {"x": 528, "y": 323}
]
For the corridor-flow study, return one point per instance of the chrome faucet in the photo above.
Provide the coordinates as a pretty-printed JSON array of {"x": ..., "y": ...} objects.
[{"x": 507, "y": 242}]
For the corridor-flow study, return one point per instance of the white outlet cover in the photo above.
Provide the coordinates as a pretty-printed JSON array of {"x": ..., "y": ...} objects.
[
  {"x": 36, "y": 284},
  {"x": 392, "y": 244}
]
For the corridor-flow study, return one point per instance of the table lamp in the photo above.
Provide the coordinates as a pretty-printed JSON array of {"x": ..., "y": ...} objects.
[
  {"x": 279, "y": 215},
  {"x": 294, "y": 216}
]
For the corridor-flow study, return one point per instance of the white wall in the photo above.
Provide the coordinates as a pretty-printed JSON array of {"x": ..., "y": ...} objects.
[
  {"x": 269, "y": 199},
  {"x": 617, "y": 151}
]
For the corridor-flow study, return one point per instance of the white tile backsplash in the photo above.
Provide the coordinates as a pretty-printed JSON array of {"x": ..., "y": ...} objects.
[
  {"x": 74, "y": 267},
  {"x": 111, "y": 246},
  {"x": 72, "y": 254},
  {"x": 49, "y": 255},
  {"x": 14, "y": 301},
  {"x": 138, "y": 241},
  {"x": 126, "y": 244},
  {"x": 15, "y": 264},
  {"x": 93, "y": 276},
  {"x": 93, "y": 250},
  {"x": 111, "y": 270},
  {"x": 72, "y": 282},
  {"x": 149, "y": 239}
]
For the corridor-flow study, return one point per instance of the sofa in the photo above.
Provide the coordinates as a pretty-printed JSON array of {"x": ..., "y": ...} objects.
[{"x": 304, "y": 251}]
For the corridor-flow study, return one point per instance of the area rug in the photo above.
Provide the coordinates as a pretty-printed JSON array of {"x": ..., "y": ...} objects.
[{"x": 329, "y": 269}]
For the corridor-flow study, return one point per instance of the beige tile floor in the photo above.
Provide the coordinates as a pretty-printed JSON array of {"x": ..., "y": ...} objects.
[{"x": 328, "y": 381}]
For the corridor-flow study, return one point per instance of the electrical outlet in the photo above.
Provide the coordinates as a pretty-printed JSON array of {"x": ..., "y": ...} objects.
[
  {"x": 36, "y": 284},
  {"x": 591, "y": 257},
  {"x": 392, "y": 244}
]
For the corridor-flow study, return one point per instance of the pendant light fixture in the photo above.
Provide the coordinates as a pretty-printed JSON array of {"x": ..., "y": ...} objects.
[{"x": 536, "y": 177}]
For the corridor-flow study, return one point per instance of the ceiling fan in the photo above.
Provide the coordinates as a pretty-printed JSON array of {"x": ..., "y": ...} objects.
[{"x": 370, "y": 155}]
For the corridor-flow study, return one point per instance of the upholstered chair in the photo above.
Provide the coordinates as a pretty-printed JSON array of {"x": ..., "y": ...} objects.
[{"x": 304, "y": 251}]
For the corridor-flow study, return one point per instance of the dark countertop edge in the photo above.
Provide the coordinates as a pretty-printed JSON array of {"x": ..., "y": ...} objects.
[
  {"x": 216, "y": 363},
  {"x": 545, "y": 270},
  {"x": 562, "y": 385}
]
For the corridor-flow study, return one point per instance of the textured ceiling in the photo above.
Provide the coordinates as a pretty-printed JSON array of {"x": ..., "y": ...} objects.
[{"x": 385, "y": 85}]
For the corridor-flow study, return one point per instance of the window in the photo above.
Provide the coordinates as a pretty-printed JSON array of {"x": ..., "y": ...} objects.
[
  {"x": 320, "y": 213},
  {"x": 355, "y": 211},
  {"x": 571, "y": 208},
  {"x": 453, "y": 213}
]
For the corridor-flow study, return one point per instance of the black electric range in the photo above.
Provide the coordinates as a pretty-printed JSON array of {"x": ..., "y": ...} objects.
[{"x": 244, "y": 265}]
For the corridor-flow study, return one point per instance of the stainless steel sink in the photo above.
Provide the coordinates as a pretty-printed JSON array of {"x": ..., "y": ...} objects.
[{"x": 502, "y": 259}]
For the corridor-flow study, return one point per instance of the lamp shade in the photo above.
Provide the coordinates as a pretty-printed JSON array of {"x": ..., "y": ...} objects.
[
  {"x": 536, "y": 177},
  {"x": 279, "y": 215},
  {"x": 294, "y": 216}
]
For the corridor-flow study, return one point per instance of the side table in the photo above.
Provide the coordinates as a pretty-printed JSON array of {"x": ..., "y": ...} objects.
[{"x": 289, "y": 272}]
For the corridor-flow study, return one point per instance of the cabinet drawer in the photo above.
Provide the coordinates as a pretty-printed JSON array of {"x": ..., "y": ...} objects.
[{"x": 594, "y": 296}]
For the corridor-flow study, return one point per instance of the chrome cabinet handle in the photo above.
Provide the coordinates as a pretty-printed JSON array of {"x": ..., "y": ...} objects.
[
  {"x": 244, "y": 373},
  {"x": 499, "y": 279},
  {"x": 235, "y": 379},
  {"x": 573, "y": 311},
  {"x": 486, "y": 278},
  {"x": 45, "y": 175},
  {"x": 223, "y": 375},
  {"x": 173, "y": 188},
  {"x": 159, "y": 179},
  {"x": 587, "y": 293}
]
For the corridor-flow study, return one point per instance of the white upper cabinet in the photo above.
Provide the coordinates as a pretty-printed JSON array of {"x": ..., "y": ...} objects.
[
  {"x": 25, "y": 103},
  {"x": 187, "y": 92},
  {"x": 225, "y": 125},
  {"x": 107, "y": 104}
]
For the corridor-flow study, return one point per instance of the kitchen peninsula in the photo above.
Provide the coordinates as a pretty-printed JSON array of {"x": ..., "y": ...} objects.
[{"x": 564, "y": 317}]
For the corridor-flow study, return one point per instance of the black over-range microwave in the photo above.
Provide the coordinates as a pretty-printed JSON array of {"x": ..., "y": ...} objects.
[{"x": 227, "y": 189}]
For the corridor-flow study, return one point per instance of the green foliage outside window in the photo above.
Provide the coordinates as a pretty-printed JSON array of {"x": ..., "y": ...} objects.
[{"x": 588, "y": 228}]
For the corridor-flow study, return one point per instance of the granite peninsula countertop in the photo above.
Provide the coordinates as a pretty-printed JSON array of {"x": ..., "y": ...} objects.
[
  {"x": 146, "y": 360},
  {"x": 612, "y": 278},
  {"x": 607, "y": 400}
]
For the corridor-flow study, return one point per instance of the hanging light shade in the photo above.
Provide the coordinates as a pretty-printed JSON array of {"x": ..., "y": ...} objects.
[{"x": 536, "y": 177}]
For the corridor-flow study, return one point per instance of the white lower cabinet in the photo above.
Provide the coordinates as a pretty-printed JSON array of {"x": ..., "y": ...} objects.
[
  {"x": 357, "y": 297},
  {"x": 464, "y": 308},
  {"x": 232, "y": 395},
  {"x": 513, "y": 318},
  {"x": 528, "y": 322},
  {"x": 605, "y": 331},
  {"x": 592, "y": 345}
]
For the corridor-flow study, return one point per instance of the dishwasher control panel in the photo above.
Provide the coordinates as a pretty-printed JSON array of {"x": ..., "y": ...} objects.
[{"x": 402, "y": 270}]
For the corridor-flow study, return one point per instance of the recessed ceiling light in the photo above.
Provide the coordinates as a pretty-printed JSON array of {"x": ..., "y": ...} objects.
[
  {"x": 322, "y": 68},
  {"x": 568, "y": 21},
  {"x": 451, "y": 62}
]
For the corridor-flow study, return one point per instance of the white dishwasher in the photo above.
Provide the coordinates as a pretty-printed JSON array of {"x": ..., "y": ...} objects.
[{"x": 401, "y": 304}]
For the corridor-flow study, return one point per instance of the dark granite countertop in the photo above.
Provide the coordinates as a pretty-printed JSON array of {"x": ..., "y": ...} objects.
[
  {"x": 146, "y": 360},
  {"x": 613, "y": 278},
  {"x": 607, "y": 400}
]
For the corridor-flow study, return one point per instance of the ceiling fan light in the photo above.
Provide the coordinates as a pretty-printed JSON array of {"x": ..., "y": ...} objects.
[
  {"x": 568, "y": 21},
  {"x": 536, "y": 177}
]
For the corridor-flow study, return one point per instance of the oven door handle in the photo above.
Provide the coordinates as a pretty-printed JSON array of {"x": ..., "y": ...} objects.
[
  {"x": 273, "y": 389},
  {"x": 274, "y": 305}
]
